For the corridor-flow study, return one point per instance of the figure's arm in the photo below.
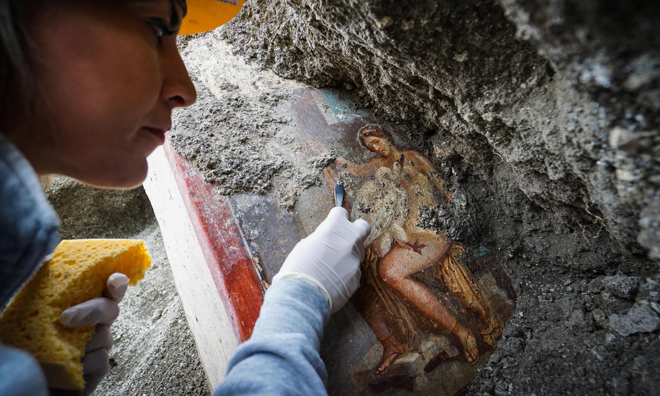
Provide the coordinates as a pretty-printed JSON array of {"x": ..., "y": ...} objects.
[
  {"x": 427, "y": 167},
  {"x": 361, "y": 169},
  {"x": 317, "y": 278},
  {"x": 331, "y": 172}
]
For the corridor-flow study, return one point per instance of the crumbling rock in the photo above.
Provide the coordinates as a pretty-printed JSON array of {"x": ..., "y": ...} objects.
[
  {"x": 641, "y": 318},
  {"x": 558, "y": 100},
  {"x": 543, "y": 118},
  {"x": 622, "y": 286},
  {"x": 236, "y": 134}
]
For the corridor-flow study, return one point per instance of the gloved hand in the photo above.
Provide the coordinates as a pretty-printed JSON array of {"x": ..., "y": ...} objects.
[
  {"x": 102, "y": 312},
  {"x": 329, "y": 258}
]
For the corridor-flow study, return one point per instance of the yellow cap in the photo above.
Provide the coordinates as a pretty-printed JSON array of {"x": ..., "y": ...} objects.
[{"x": 205, "y": 15}]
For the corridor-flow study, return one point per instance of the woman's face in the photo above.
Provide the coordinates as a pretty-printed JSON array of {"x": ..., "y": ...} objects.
[
  {"x": 108, "y": 76},
  {"x": 378, "y": 145}
]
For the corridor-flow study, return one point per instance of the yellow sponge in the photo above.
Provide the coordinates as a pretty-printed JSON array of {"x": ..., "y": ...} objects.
[{"x": 77, "y": 272}]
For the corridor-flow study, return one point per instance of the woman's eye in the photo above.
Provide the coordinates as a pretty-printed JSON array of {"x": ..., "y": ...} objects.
[{"x": 160, "y": 29}]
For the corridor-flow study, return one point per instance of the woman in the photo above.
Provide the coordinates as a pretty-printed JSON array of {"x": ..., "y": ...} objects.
[
  {"x": 404, "y": 250},
  {"x": 87, "y": 90}
]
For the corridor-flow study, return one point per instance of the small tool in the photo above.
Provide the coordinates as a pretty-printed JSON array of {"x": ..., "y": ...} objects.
[{"x": 339, "y": 195}]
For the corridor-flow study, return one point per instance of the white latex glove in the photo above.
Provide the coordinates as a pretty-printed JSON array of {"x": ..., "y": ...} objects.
[
  {"x": 329, "y": 258},
  {"x": 100, "y": 312}
]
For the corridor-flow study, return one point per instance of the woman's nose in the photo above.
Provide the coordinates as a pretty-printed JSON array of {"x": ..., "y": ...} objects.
[{"x": 178, "y": 89}]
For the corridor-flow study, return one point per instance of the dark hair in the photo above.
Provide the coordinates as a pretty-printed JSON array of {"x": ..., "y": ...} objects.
[
  {"x": 184, "y": 7},
  {"x": 15, "y": 70},
  {"x": 372, "y": 130}
]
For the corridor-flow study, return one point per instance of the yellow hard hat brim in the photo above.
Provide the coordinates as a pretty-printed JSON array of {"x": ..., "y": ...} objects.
[{"x": 205, "y": 15}]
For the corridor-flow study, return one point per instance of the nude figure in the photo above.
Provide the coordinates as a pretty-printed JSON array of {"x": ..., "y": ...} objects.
[{"x": 404, "y": 249}]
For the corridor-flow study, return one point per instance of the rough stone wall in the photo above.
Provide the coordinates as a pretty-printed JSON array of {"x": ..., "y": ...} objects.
[
  {"x": 89, "y": 212},
  {"x": 610, "y": 52},
  {"x": 544, "y": 117},
  {"x": 558, "y": 99}
]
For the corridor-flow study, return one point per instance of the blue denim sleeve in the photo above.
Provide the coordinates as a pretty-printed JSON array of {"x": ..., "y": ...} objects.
[
  {"x": 282, "y": 356},
  {"x": 20, "y": 374}
]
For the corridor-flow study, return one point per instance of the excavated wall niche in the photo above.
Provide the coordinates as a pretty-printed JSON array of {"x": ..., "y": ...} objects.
[
  {"x": 554, "y": 105},
  {"x": 543, "y": 116}
]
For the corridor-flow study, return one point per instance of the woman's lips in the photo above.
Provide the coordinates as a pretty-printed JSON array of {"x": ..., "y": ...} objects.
[{"x": 158, "y": 133}]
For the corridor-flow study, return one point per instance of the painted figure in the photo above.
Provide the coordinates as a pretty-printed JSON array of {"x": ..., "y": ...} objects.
[{"x": 399, "y": 185}]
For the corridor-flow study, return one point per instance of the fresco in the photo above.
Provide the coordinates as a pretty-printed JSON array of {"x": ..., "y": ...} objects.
[{"x": 429, "y": 310}]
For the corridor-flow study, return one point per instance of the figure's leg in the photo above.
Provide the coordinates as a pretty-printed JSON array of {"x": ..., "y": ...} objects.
[
  {"x": 374, "y": 312},
  {"x": 396, "y": 268},
  {"x": 392, "y": 349}
]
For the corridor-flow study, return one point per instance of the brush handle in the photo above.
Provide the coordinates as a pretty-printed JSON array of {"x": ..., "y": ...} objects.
[{"x": 339, "y": 195}]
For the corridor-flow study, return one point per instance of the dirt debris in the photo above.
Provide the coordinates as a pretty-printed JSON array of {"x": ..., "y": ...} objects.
[
  {"x": 237, "y": 133},
  {"x": 236, "y": 153}
]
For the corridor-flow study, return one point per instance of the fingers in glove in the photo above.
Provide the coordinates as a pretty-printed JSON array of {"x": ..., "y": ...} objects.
[
  {"x": 330, "y": 273},
  {"x": 95, "y": 367},
  {"x": 95, "y": 364},
  {"x": 354, "y": 283},
  {"x": 91, "y": 382},
  {"x": 102, "y": 339},
  {"x": 338, "y": 211},
  {"x": 363, "y": 227},
  {"x": 116, "y": 286},
  {"x": 99, "y": 310}
]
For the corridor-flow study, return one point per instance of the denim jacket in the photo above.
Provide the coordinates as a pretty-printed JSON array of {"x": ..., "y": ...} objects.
[{"x": 28, "y": 235}]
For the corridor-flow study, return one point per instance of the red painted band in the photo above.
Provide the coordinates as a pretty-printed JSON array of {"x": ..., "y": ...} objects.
[{"x": 226, "y": 255}]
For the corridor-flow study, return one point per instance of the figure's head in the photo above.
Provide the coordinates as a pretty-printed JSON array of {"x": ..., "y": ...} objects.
[
  {"x": 375, "y": 138},
  {"x": 87, "y": 87}
]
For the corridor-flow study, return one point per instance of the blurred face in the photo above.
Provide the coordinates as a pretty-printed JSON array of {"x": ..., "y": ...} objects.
[
  {"x": 378, "y": 145},
  {"x": 108, "y": 77}
]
